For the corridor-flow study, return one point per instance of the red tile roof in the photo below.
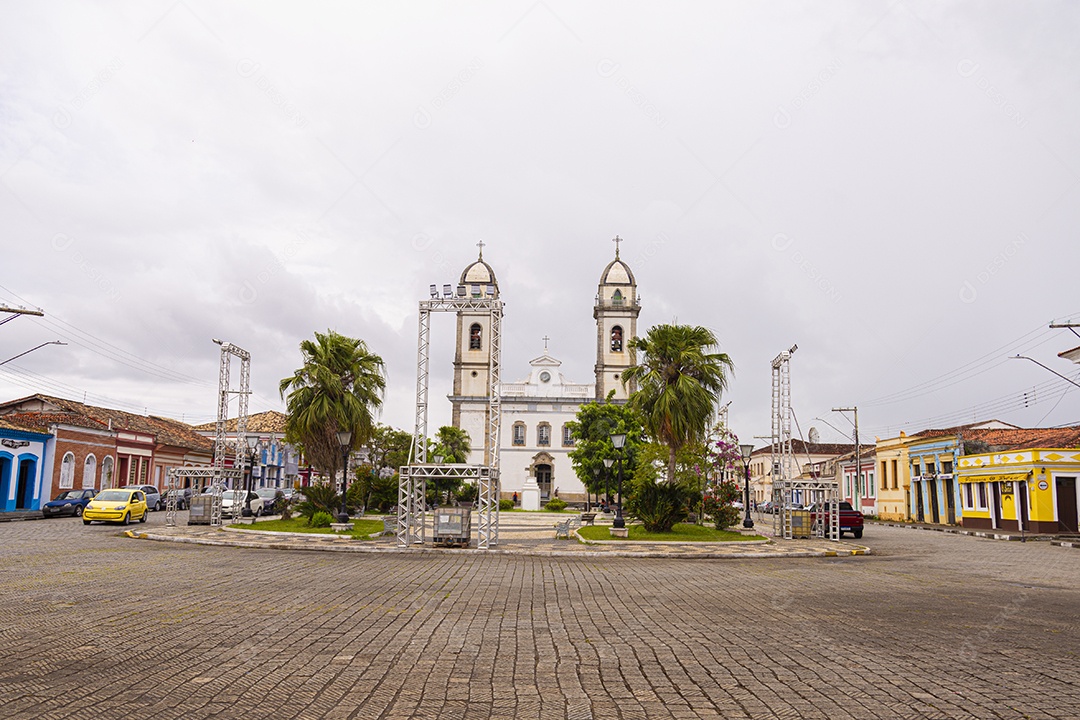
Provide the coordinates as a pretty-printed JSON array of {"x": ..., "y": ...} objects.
[{"x": 270, "y": 421}]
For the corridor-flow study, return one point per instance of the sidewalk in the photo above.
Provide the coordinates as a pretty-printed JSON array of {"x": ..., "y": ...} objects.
[
  {"x": 519, "y": 534},
  {"x": 21, "y": 515},
  {"x": 988, "y": 534}
]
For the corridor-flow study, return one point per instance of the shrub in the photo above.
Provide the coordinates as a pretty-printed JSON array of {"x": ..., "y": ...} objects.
[
  {"x": 319, "y": 497},
  {"x": 505, "y": 504},
  {"x": 555, "y": 505},
  {"x": 718, "y": 499},
  {"x": 659, "y": 506},
  {"x": 321, "y": 520}
]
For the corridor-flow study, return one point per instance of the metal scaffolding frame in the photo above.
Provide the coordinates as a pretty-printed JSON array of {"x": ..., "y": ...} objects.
[
  {"x": 217, "y": 471},
  {"x": 196, "y": 472},
  {"x": 412, "y": 482},
  {"x": 790, "y": 492}
]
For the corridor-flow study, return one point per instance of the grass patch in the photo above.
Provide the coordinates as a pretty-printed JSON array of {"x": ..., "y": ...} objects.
[
  {"x": 680, "y": 533},
  {"x": 361, "y": 528}
]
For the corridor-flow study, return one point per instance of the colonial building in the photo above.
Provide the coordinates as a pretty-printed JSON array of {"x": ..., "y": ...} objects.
[
  {"x": 274, "y": 463},
  {"x": 22, "y": 467},
  {"x": 535, "y": 440}
]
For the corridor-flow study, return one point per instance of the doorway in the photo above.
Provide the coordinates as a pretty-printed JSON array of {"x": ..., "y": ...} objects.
[
  {"x": 950, "y": 502},
  {"x": 543, "y": 479},
  {"x": 935, "y": 511},
  {"x": 24, "y": 486},
  {"x": 995, "y": 505},
  {"x": 919, "y": 514},
  {"x": 5, "y": 482},
  {"x": 1065, "y": 488},
  {"x": 1022, "y": 501}
]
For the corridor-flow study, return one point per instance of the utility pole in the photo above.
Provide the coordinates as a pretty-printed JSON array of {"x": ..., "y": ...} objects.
[
  {"x": 858, "y": 454},
  {"x": 16, "y": 312}
]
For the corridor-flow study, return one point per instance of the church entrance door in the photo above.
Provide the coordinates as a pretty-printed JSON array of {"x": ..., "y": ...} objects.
[{"x": 543, "y": 479}]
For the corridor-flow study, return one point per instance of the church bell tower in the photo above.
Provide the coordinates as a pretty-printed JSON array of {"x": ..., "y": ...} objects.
[
  {"x": 472, "y": 359},
  {"x": 616, "y": 312}
]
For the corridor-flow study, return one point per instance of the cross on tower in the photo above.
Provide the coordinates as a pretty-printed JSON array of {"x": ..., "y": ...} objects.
[
  {"x": 545, "y": 339},
  {"x": 481, "y": 245},
  {"x": 617, "y": 240}
]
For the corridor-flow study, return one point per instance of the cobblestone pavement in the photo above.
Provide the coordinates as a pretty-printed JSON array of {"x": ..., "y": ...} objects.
[{"x": 929, "y": 626}]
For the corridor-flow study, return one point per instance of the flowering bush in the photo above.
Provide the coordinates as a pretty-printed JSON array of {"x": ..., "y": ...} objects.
[{"x": 725, "y": 463}]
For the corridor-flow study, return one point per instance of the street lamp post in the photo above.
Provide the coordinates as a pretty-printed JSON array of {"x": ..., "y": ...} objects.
[
  {"x": 345, "y": 440},
  {"x": 618, "y": 440},
  {"x": 608, "y": 462},
  {"x": 596, "y": 483},
  {"x": 746, "y": 451}
]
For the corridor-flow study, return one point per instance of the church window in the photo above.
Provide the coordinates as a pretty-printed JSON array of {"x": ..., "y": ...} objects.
[
  {"x": 567, "y": 436},
  {"x": 519, "y": 434},
  {"x": 616, "y": 339},
  {"x": 543, "y": 435},
  {"x": 616, "y": 298},
  {"x": 474, "y": 337}
]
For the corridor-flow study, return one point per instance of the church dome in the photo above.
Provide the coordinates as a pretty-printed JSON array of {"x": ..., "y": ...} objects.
[
  {"x": 617, "y": 273},
  {"x": 479, "y": 273}
]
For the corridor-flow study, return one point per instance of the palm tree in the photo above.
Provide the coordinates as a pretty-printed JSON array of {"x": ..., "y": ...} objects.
[
  {"x": 679, "y": 382},
  {"x": 453, "y": 444},
  {"x": 339, "y": 388}
]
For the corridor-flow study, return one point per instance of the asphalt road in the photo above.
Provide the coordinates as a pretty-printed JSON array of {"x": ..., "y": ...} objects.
[{"x": 931, "y": 626}]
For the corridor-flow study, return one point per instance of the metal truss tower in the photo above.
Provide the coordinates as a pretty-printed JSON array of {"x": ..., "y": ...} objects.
[
  {"x": 217, "y": 472},
  {"x": 782, "y": 459},
  {"x": 412, "y": 484}
]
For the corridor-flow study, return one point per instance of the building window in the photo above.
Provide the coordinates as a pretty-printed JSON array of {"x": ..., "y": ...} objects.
[
  {"x": 543, "y": 435},
  {"x": 930, "y": 467},
  {"x": 946, "y": 467},
  {"x": 67, "y": 471},
  {"x": 567, "y": 436},
  {"x": 871, "y": 488},
  {"x": 895, "y": 472},
  {"x": 519, "y": 434},
  {"x": 616, "y": 298},
  {"x": 981, "y": 500},
  {"x": 883, "y": 475},
  {"x": 616, "y": 339},
  {"x": 969, "y": 496},
  {"x": 474, "y": 337},
  {"x": 106, "y": 472},
  {"x": 916, "y": 471},
  {"x": 89, "y": 472}
]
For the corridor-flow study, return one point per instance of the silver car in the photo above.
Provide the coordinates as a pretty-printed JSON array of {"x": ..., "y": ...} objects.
[{"x": 154, "y": 501}]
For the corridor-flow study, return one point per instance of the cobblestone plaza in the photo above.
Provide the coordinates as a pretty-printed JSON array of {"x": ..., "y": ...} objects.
[{"x": 930, "y": 626}]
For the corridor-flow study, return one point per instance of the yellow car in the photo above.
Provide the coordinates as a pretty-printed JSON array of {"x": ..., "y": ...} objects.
[{"x": 117, "y": 505}]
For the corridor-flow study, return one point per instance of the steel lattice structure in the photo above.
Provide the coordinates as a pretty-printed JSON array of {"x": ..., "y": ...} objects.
[
  {"x": 789, "y": 490},
  {"x": 218, "y": 472},
  {"x": 412, "y": 483}
]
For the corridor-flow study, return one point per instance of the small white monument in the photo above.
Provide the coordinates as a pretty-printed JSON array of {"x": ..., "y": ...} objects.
[{"x": 530, "y": 494}]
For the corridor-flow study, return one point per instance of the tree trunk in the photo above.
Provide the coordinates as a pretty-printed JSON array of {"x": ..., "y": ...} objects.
[{"x": 671, "y": 466}]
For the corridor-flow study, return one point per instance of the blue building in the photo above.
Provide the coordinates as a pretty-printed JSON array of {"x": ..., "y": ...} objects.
[{"x": 22, "y": 468}]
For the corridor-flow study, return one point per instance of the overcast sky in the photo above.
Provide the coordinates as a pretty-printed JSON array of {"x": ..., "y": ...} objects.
[{"x": 893, "y": 186}]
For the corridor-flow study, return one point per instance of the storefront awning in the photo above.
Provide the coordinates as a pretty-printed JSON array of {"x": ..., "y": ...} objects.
[{"x": 1012, "y": 477}]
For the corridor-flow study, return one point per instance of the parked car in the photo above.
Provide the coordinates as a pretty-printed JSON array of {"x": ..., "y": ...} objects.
[
  {"x": 117, "y": 505},
  {"x": 154, "y": 500},
  {"x": 851, "y": 520},
  {"x": 766, "y": 507},
  {"x": 183, "y": 498},
  {"x": 230, "y": 497},
  {"x": 273, "y": 500},
  {"x": 69, "y": 502}
]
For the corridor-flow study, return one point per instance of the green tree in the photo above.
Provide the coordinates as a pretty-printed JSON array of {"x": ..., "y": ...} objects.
[
  {"x": 679, "y": 378},
  {"x": 453, "y": 445},
  {"x": 592, "y": 429},
  {"x": 339, "y": 387}
]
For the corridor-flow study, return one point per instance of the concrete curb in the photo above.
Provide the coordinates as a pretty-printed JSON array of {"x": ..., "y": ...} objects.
[
  {"x": 524, "y": 551},
  {"x": 986, "y": 534}
]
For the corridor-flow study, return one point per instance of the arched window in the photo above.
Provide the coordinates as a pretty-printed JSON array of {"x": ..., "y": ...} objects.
[
  {"x": 67, "y": 471},
  {"x": 543, "y": 435},
  {"x": 519, "y": 433},
  {"x": 616, "y": 339},
  {"x": 474, "y": 337},
  {"x": 106, "y": 472},
  {"x": 616, "y": 298},
  {"x": 89, "y": 472}
]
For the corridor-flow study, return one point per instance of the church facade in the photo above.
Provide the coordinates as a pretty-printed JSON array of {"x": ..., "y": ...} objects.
[{"x": 535, "y": 441}]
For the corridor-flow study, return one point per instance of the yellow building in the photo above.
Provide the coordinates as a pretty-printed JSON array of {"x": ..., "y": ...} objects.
[
  {"x": 893, "y": 478},
  {"x": 1036, "y": 485}
]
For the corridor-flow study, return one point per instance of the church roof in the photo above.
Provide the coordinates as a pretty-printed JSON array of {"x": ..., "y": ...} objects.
[
  {"x": 617, "y": 273},
  {"x": 479, "y": 273}
]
